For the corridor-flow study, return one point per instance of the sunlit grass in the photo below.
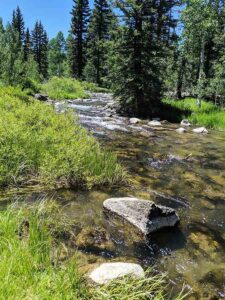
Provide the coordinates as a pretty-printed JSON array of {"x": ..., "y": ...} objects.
[
  {"x": 68, "y": 88},
  {"x": 37, "y": 145},
  {"x": 208, "y": 115}
]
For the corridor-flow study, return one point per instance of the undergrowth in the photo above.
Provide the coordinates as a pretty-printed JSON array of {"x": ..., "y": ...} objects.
[{"x": 39, "y": 146}]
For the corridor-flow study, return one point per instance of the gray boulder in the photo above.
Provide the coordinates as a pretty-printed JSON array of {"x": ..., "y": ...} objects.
[
  {"x": 134, "y": 120},
  {"x": 145, "y": 215},
  {"x": 154, "y": 123},
  {"x": 110, "y": 271},
  {"x": 41, "y": 97},
  {"x": 185, "y": 123},
  {"x": 200, "y": 130},
  {"x": 181, "y": 130}
]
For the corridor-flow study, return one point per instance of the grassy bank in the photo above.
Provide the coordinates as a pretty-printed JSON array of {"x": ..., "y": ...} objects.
[
  {"x": 208, "y": 115},
  {"x": 69, "y": 88},
  {"x": 39, "y": 146},
  {"x": 31, "y": 245}
]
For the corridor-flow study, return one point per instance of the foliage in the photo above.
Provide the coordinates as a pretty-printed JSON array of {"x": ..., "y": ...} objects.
[
  {"x": 64, "y": 88},
  {"x": 40, "y": 146},
  {"x": 31, "y": 267},
  {"x": 79, "y": 27},
  {"x": 39, "y": 42},
  {"x": 57, "y": 56},
  {"x": 136, "y": 58},
  {"x": 99, "y": 32}
]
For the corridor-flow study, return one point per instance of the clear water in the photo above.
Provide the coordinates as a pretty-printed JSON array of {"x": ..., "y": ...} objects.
[{"x": 183, "y": 171}]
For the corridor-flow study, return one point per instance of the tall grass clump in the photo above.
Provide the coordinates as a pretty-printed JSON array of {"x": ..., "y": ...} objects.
[
  {"x": 189, "y": 104},
  {"x": 29, "y": 268},
  {"x": 39, "y": 146},
  {"x": 64, "y": 88},
  {"x": 32, "y": 267},
  {"x": 207, "y": 115},
  {"x": 214, "y": 120}
]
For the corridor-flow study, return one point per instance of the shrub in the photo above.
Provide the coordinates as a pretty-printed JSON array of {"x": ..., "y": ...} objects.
[
  {"x": 64, "y": 88},
  {"x": 37, "y": 145}
]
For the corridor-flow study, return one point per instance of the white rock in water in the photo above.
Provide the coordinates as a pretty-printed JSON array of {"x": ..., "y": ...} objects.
[
  {"x": 110, "y": 271},
  {"x": 185, "y": 123},
  {"x": 181, "y": 130},
  {"x": 145, "y": 215},
  {"x": 134, "y": 120},
  {"x": 200, "y": 130},
  {"x": 154, "y": 123}
]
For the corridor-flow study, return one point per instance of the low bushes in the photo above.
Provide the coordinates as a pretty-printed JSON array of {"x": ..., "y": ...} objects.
[
  {"x": 64, "y": 88},
  {"x": 68, "y": 88},
  {"x": 37, "y": 145}
]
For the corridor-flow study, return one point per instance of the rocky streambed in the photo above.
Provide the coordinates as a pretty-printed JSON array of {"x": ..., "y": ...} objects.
[{"x": 178, "y": 168}]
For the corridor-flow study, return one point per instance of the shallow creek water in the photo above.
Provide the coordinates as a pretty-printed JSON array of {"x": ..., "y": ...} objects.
[{"x": 183, "y": 171}]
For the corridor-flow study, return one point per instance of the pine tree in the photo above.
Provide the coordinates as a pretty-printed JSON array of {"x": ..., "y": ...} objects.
[
  {"x": 79, "y": 25},
  {"x": 39, "y": 41},
  {"x": 27, "y": 45},
  {"x": 137, "y": 57},
  {"x": 57, "y": 55},
  {"x": 101, "y": 24},
  {"x": 18, "y": 24}
]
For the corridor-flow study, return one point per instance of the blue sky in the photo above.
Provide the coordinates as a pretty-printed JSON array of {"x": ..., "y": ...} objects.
[{"x": 54, "y": 14}]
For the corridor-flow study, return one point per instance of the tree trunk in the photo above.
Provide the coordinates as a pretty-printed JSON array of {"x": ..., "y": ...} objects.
[
  {"x": 180, "y": 78},
  {"x": 201, "y": 73}
]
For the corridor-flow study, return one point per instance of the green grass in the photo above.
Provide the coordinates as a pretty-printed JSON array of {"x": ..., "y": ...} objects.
[
  {"x": 189, "y": 104},
  {"x": 68, "y": 88},
  {"x": 32, "y": 268},
  {"x": 64, "y": 88},
  {"x": 208, "y": 115},
  {"x": 39, "y": 146}
]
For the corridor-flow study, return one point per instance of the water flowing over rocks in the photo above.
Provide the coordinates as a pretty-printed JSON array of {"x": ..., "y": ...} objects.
[
  {"x": 145, "y": 215},
  {"x": 185, "y": 123},
  {"x": 110, "y": 271},
  {"x": 154, "y": 123},
  {"x": 200, "y": 130},
  {"x": 41, "y": 97},
  {"x": 181, "y": 130}
]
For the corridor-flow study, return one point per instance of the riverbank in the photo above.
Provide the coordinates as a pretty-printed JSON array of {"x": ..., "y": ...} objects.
[
  {"x": 208, "y": 115},
  {"x": 39, "y": 146},
  {"x": 35, "y": 263}
]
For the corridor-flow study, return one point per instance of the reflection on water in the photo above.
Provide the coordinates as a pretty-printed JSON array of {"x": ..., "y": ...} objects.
[{"x": 184, "y": 171}]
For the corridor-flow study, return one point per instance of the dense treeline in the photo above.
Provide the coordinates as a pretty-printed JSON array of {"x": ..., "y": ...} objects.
[{"x": 138, "y": 48}]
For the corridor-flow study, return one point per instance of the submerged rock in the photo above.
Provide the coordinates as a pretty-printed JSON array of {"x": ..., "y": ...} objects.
[
  {"x": 110, "y": 271},
  {"x": 135, "y": 120},
  {"x": 145, "y": 215},
  {"x": 181, "y": 130},
  {"x": 185, "y": 123},
  {"x": 200, "y": 130},
  {"x": 154, "y": 123},
  {"x": 41, "y": 97}
]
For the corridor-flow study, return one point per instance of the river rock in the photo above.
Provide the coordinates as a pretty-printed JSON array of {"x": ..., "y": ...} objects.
[
  {"x": 200, "y": 130},
  {"x": 185, "y": 123},
  {"x": 181, "y": 130},
  {"x": 41, "y": 97},
  {"x": 110, "y": 271},
  {"x": 145, "y": 215},
  {"x": 154, "y": 123},
  {"x": 134, "y": 120}
]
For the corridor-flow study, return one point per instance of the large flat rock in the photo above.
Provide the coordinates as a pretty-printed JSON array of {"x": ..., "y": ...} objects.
[
  {"x": 145, "y": 215},
  {"x": 110, "y": 271}
]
